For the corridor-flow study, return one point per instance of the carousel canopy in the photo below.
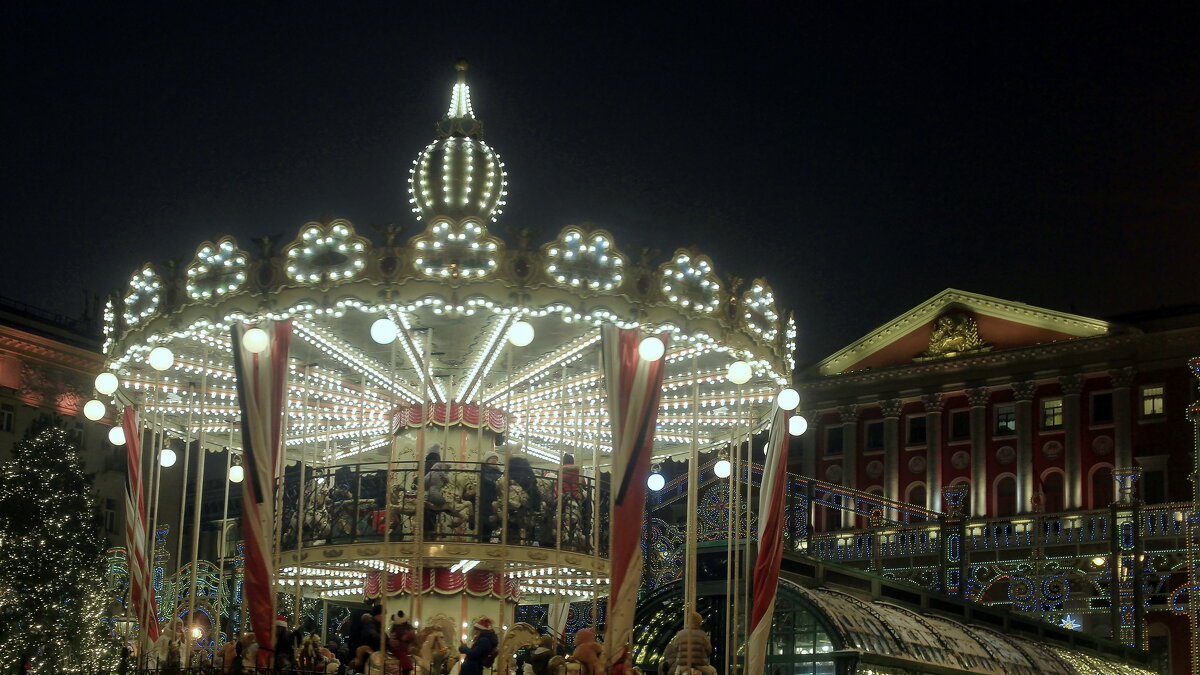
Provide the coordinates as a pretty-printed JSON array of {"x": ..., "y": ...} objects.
[{"x": 453, "y": 316}]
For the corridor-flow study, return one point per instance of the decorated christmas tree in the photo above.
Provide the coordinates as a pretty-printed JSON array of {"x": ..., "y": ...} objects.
[{"x": 51, "y": 559}]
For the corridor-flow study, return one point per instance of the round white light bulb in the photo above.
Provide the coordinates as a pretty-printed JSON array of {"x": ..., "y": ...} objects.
[
  {"x": 94, "y": 410},
  {"x": 722, "y": 468},
  {"x": 520, "y": 334},
  {"x": 655, "y": 481},
  {"x": 651, "y": 349},
  {"x": 797, "y": 425},
  {"x": 161, "y": 358},
  {"x": 106, "y": 383},
  {"x": 116, "y": 436},
  {"x": 167, "y": 458},
  {"x": 739, "y": 372},
  {"x": 384, "y": 331},
  {"x": 256, "y": 340},
  {"x": 236, "y": 473},
  {"x": 788, "y": 399}
]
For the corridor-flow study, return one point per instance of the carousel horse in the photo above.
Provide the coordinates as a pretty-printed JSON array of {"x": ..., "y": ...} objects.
[{"x": 518, "y": 636}]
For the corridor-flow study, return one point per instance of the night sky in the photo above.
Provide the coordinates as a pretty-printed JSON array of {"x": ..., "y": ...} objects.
[{"x": 861, "y": 157}]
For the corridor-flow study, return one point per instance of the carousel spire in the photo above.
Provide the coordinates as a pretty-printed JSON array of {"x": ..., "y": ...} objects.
[{"x": 460, "y": 119}]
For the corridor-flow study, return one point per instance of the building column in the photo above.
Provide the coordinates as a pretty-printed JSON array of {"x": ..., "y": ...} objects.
[
  {"x": 1122, "y": 378},
  {"x": 1072, "y": 385},
  {"x": 849, "y": 415},
  {"x": 1023, "y": 392},
  {"x": 979, "y": 435},
  {"x": 891, "y": 447},
  {"x": 933, "y": 452}
]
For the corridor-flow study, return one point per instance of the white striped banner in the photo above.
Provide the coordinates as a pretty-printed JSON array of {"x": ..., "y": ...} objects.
[
  {"x": 262, "y": 393},
  {"x": 634, "y": 389},
  {"x": 771, "y": 499},
  {"x": 141, "y": 590}
]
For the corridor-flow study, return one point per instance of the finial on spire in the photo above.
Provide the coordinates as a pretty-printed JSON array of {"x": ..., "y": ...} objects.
[{"x": 460, "y": 118}]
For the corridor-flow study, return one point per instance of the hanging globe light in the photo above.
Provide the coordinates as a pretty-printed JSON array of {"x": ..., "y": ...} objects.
[
  {"x": 167, "y": 458},
  {"x": 788, "y": 399},
  {"x": 651, "y": 349},
  {"x": 94, "y": 410},
  {"x": 161, "y": 358},
  {"x": 116, "y": 436},
  {"x": 236, "y": 473},
  {"x": 106, "y": 383},
  {"x": 655, "y": 481},
  {"x": 739, "y": 372},
  {"x": 520, "y": 334},
  {"x": 384, "y": 331},
  {"x": 722, "y": 468},
  {"x": 256, "y": 340},
  {"x": 797, "y": 425}
]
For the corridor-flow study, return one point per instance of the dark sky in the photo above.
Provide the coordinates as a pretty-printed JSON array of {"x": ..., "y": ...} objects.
[{"x": 861, "y": 156}]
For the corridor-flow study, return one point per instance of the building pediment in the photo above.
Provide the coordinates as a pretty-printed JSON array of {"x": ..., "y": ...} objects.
[{"x": 956, "y": 323}]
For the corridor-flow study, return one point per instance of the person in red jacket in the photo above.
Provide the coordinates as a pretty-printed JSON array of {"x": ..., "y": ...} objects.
[{"x": 400, "y": 641}]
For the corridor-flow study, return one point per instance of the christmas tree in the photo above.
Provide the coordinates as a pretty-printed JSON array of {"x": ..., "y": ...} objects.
[{"x": 51, "y": 559}]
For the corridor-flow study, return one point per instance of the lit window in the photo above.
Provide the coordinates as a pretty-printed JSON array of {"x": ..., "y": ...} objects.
[
  {"x": 1052, "y": 413},
  {"x": 1006, "y": 420},
  {"x": 1152, "y": 401}
]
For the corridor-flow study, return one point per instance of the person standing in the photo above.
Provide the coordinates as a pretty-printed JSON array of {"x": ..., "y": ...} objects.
[
  {"x": 400, "y": 641},
  {"x": 482, "y": 652}
]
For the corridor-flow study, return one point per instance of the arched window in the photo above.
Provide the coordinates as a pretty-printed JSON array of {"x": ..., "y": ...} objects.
[
  {"x": 916, "y": 495},
  {"x": 1005, "y": 496},
  {"x": 1052, "y": 491},
  {"x": 1102, "y": 486}
]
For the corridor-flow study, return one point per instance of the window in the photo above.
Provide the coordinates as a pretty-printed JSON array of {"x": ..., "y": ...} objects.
[
  {"x": 1154, "y": 487},
  {"x": 1006, "y": 420},
  {"x": 1006, "y": 497},
  {"x": 1052, "y": 413},
  {"x": 77, "y": 434},
  {"x": 6, "y": 418},
  {"x": 110, "y": 515},
  {"x": 916, "y": 430},
  {"x": 960, "y": 425},
  {"x": 874, "y": 435},
  {"x": 1102, "y": 408},
  {"x": 833, "y": 440},
  {"x": 1152, "y": 401}
]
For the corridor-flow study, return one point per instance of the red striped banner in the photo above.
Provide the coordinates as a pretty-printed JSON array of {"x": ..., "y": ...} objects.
[
  {"x": 141, "y": 590},
  {"x": 634, "y": 389},
  {"x": 771, "y": 500},
  {"x": 262, "y": 393}
]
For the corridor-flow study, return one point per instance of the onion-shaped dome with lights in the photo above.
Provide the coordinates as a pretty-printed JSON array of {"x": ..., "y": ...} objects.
[
  {"x": 457, "y": 342},
  {"x": 458, "y": 175}
]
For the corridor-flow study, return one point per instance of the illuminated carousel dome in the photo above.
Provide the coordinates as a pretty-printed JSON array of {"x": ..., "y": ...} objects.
[
  {"x": 458, "y": 343},
  {"x": 458, "y": 176}
]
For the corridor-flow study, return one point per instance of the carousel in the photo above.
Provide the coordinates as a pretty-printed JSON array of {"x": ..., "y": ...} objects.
[{"x": 446, "y": 439}]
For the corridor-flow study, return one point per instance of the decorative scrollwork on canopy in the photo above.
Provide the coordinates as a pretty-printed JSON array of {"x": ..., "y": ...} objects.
[
  {"x": 758, "y": 310},
  {"x": 582, "y": 259},
  {"x": 217, "y": 269},
  {"x": 452, "y": 251},
  {"x": 143, "y": 296},
  {"x": 688, "y": 280},
  {"x": 325, "y": 251}
]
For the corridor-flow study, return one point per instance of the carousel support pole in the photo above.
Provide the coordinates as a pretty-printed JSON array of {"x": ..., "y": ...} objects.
[
  {"x": 419, "y": 456},
  {"x": 324, "y": 621},
  {"x": 387, "y": 522},
  {"x": 183, "y": 488},
  {"x": 596, "y": 491},
  {"x": 296, "y": 606},
  {"x": 558, "y": 517},
  {"x": 197, "y": 502},
  {"x": 748, "y": 533},
  {"x": 508, "y": 427},
  {"x": 222, "y": 543},
  {"x": 156, "y": 478},
  {"x": 693, "y": 498}
]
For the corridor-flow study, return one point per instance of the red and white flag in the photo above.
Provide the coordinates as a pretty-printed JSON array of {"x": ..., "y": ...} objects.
[
  {"x": 634, "y": 389},
  {"x": 141, "y": 590},
  {"x": 262, "y": 393},
  {"x": 770, "y": 543}
]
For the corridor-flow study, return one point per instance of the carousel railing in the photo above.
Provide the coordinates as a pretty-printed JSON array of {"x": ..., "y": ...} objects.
[{"x": 468, "y": 502}]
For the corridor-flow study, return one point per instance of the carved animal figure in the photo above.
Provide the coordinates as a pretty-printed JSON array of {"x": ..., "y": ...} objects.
[{"x": 518, "y": 636}]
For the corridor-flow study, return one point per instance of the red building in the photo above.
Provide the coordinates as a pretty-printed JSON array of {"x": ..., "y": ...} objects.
[{"x": 1026, "y": 405}]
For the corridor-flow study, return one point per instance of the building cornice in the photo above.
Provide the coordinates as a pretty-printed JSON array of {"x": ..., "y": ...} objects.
[{"x": 50, "y": 351}]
